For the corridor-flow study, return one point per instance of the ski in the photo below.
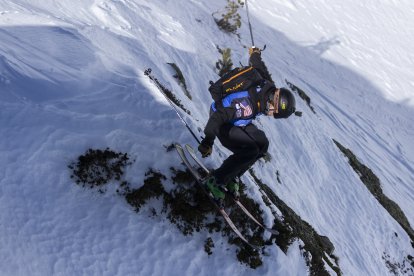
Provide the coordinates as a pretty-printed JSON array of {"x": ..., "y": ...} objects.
[
  {"x": 191, "y": 151},
  {"x": 199, "y": 181}
]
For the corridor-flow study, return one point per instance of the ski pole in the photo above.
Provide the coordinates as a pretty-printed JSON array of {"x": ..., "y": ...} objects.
[
  {"x": 250, "y": 26},
  {"x": 161, "y": 89}
]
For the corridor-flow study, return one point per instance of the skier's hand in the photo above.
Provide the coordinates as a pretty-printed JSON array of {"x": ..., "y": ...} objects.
[
  {"x": 254, "y": 49},
  {"x": 205, "y": 148}
]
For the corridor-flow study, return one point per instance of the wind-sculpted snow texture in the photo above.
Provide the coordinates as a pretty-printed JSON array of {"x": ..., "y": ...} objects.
[{"x": 71, "y": 78}]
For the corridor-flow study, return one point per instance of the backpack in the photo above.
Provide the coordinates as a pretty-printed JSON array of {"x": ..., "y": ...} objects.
[{"x": 236, "y": 80}]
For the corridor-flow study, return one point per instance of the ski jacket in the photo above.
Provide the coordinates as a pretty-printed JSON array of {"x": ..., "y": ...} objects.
[{"x": 241, "y": 108}]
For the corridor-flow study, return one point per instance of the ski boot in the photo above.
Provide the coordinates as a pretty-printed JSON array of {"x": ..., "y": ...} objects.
[
  {"x": 216, "y": 191},
  {"x": 233, "y": 188}
]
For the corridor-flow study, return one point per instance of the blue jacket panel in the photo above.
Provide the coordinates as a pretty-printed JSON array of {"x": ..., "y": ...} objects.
[{"x": 241, "y": 102}]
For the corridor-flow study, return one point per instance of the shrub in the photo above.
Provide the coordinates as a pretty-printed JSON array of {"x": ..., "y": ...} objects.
[
  {"x": 230, "y": 19},
  {"x": 225, "y": 64}
]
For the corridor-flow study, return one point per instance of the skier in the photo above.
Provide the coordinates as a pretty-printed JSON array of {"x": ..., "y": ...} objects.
[{"x": 231, "y": 122}]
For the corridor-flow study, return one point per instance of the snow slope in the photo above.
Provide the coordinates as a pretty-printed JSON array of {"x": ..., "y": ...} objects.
[{"x": 71, "y": 78}]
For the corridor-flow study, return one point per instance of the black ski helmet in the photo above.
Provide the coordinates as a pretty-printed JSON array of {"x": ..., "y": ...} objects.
[{"x": 286, "y": 104}]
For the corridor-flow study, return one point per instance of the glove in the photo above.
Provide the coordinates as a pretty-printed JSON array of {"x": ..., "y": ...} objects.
[
  {"x": 205, "y": 148},
  {"x": 254, "y": 49}
]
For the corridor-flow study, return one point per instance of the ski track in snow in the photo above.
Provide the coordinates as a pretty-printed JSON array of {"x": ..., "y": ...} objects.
[{"x": 71, "y": 78}]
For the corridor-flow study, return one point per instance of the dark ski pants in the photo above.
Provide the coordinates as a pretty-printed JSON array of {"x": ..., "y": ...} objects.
[{"x": 248, "y": 144}]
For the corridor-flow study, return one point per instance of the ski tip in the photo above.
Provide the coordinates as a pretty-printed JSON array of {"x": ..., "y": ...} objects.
[{"x": 190, "y": 148}]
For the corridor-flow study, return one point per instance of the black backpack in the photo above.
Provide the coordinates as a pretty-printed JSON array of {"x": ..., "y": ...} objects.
[{"x": 236, "y": 80}]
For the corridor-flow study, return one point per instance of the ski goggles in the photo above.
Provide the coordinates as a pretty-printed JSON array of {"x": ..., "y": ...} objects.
[{"x": 272, "y": 109}]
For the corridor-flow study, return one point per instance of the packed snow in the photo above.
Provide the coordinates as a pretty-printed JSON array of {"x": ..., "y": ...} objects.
[{"x": 71, "y": 78}]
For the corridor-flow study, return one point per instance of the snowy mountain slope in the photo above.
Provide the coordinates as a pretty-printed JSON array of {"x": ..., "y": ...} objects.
[{"x": 71, "y": 78}]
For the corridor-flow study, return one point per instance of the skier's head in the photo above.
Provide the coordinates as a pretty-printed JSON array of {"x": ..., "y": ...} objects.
[{"x": 281, "y": 103}]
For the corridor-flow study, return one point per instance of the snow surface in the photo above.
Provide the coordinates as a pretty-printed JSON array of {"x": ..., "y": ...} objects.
[{"x": 71, "y": 78}]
